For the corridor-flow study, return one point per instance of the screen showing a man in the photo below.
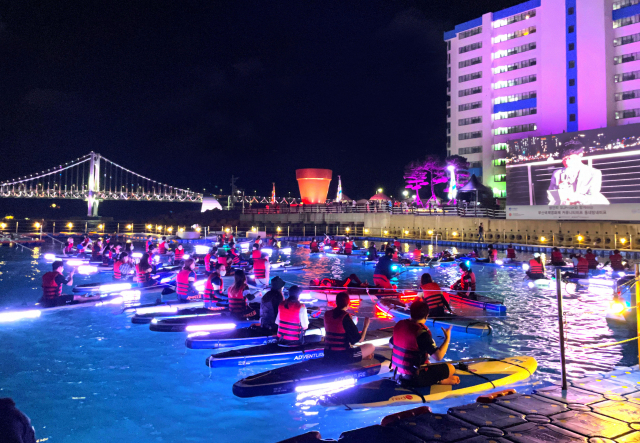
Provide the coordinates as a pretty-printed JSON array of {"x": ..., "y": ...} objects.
[{"x": 575, "y": 183}]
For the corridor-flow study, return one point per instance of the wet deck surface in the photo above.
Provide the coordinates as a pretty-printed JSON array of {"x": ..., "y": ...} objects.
[{"x": 595, "y": 410}]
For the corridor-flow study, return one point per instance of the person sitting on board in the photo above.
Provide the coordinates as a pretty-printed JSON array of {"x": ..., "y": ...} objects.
[
  {"x": 314, "y": 247},
  {"x": 261, "y": 268},
  {"x": 68, "y": 249},
  {"x": 617, "y": 261},
  {"x": 474, "y": 253},
  {"x": 493, "y": 254},
  {"x": 511, "y": 254},
  {"x": 466, "y": 285},
  {"x": 434, "y": 297},
  {"x": 327, "y": 240},
  {"x": 258, "y": 241},
  {"x": 96, "y": 251},
  {"x": 144, "y": 269},
  {"x": 269, "y": 305},
  {"x": 210, "y": 258},
  {"x": 272, "y": 241},
  {"x": 255, "y": 252},
  {"x": 214, "y": 286},
  {"x": 413, "y": 344},
  {"x": 185, "y": 282},
  {"x": 342, "y": 333},
  {"x": 372, "y": 252},
  {"x": 148, "y": 243},
  {"x": 417, "y": 254},
  {"x": 348, "y": 246},
  {"x": 580, "y": 268},
  {"x": 446, "y": 256},
  {"x": 383, "y": 273},
  {"x": 556, "y": 257},
  {"x": 238, "y": 305},
  {"x": 52, "y": 283},
  {"x": 396, "y": 243},
  {"x": 123, "y": 268},
  {"x": 80, "y": 252},
  {"x": 162, "y": 246},
  {"x": 591, "y": 259},
  {"x": 292, "y": 319},
  {"x": 178, "y": 254},
  {"x": 536, "y": 268}
]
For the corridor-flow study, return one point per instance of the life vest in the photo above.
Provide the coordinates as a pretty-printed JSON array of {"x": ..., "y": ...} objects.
[
  {"x": 433, "y": 295},
  {"x": 406, "y": 355},
  {"x": 162, "y": 247},
  {"x": 382, "y": 281},
  {"x": 289, "y": 327},
  {"x": 511, "y": 253},
  {"x": 494, "y": 254},
  {"x": 224, "y": 238},
  {"x": 260, "y": 268},
  {"x": 417, "y": 254},
  {"x": 235, "y": 257},
  {"x": 333, "y": 243},
  {"x": 336, "y": 336},
  {"x": 178, "y": 254},
  {"x": 256, "y": 254},
  {"x": 213, "y": 289},
  {"x": 348, "y": 247},
  {"x": 556, "y": 257},
  {"x": 51, "y": 289},
  {"x": 396, "y": 244},
  {"x": 147, "y": 245},
  {"x": 582, "y": 267},
  {"x": 535, "y": 267},
  {"x": 223, "y": 260},
  {"x": 141, "y": 276},
  {"x": 237, "y": 302},
  {"x": 116, "y": 270},
  {"x": 468, "y": 281},
  {"x": 207, "y": 262},
  {"x": 591, "y": 259},
  {"x": 69, "y": 248},
  {"x": 395, "y": 255},
  {"x": 616, "y": 262},
  {"x": 313, "y": 246},
  {"x": 182, "y": 282}
]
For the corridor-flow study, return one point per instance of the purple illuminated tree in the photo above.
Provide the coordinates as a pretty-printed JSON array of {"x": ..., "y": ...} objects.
[
  {"x": 461, "y": 165},
  {"x": 419, "y": 173}
]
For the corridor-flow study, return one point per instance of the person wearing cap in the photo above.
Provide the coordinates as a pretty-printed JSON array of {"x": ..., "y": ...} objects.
[
  {"x": 536, "y": 268},
  {"x": 466, "y": 285},
  {"x": 575, "y": 183},
  {"x": 270, "y": 303}
]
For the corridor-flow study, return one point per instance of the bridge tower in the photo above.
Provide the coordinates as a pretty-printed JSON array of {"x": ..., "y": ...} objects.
[{"x": 94, "y": 185}]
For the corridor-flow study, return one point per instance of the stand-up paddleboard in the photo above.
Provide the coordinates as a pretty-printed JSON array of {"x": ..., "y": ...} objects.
[
  {"x": 458, "y": 323},
  {"x": 207, "y": 321},
  {"x": 144, "y": 315},
  {"x": 474, "y": 377},
  {"x": 110, "y": 287},
  {"x": 482, "y": 302},
  {"x": 308, "y": 375},
  {"x": 356, "y": 293},
  {"x": 35, "y": 310}
]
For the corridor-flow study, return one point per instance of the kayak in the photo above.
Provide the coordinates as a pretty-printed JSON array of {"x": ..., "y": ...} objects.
[
  {"x": 482, "y": 302},
  {"x": 207, "y": 321},
  {"x": 458, "y": 323},
  {"x": 308, "y": 376},
  {"x": 475, "y": 377}
]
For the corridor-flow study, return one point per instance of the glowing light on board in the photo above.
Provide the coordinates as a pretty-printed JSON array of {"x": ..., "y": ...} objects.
[
  {"x": 19, "y": 315},
  {"x": 113, "y": 301},
  {"x": 616, "y": 307},
  {"x": 622, "y": 273},
  {"x": 340, "y": 384},
  {"x": 87, "y": 269},
  {"x": 198, "y": 334},
  {"x": 115, "y": 287},
  {"x": 75, "y": 262},
  {"x": 499, "y": 262},
  {"x": 202, "y": 249},
  {"x": 525, "y": 267},
  {"x": 285, "y": 251},
  {"x": 157, "y": 309},
  {"x": 156, "y": 259},
  {"x": 50, "y": 257},
  {"x": 136, "y": 255},
  {"x": 186, "y": 256},
  {"x": 268, "y": 251},
  {"x": 130, "y": 295},
  {"x": 167, "y": 279},
  {"x": 531, "y": 285},
  {"x": 218, "y": 327}
]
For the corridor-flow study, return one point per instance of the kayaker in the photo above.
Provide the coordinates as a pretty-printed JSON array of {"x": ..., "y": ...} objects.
[
  {"x": 258, "y": 241},
  {"x": 237, "y": 301},
  {"x": 185, "y": 282},
  {"x": 591, "y": 258},
  {"x": 466, "y": 285},
  {"x": 348, "y": 246},
  {"x": 261, "y": 268},
  {"x": 616, "y": 261},
  {"x": 235, "y": 257},
  {"x": 52, "y": 283},
  {"x": 342, "y": 333},
  {"x": 96, "y": 251},
  {"x": 556, "y": 257},
  {"x": 122, "y": 268},
  {"x": 382, "y": 273},
  {"x": 270, "y": 303},
  {"x": 511, "y": 253},
  {"x": 413, "y": 344},
  {"x": 292, "y": 319},
  {"x": 434, "y": 297},
  {"x": 536, "y": 268},
  {"x": 272, "y": 241},
  {"x": 314, "y": 247},
  {"x": 162, "y": 246},
  {"x": 223, "y": 258},
  {"x": 372, "y": 252},
  {"x": 493, "y": 254},
  {"x": 214, "y": 286},
  {"x": 396, "y": 243}
]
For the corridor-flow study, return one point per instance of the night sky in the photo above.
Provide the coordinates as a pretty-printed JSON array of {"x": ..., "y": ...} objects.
[{"x": 189, "y": 92}]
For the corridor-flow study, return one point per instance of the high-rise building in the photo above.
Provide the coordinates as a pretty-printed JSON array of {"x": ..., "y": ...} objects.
[{"x": 538, "y": 68}]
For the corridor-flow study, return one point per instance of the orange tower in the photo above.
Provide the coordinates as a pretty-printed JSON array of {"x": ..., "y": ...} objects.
[{"x": 313, "y": 184}]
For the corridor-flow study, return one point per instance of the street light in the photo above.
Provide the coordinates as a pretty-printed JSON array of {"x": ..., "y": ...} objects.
[
  {"x": 379, "y": 190},
  {"x": 430, "y": 232},
  {"x": 129, "y": 227},
  {"x": 405, "y": 193},
  {"x": 36, "y": 225},
  {"x": 69, "y": 225},
  {"x": 3, "y": 225},
  {"x": 170, "y": 229}
]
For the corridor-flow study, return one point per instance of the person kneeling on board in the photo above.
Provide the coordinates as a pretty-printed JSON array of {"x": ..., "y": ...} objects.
[
  {"x": 214, "y": 286},
  {"x": 292, "y": 319},
  {"x": 413, "y": 344},
  {"x": 68, "y": 249},
  {"x": 123, "y": 268},
  {"x": 185, "y": 282},
  {"x": 52, "y": 283},
  {"x": 342, "y": 333},
  {"x": 581, "y": 268},
  {"x": 536, "y": 268},
  {"x": 238, "y": 305},
  {"x": 382, "y": 274},
  {"x": 144, "y": 269},
  {"x": 261, "y": 267},
  {"x": 466, "y": 285},
  {"x": 556, "y": 258},
  {"x": 434, "y": 297},
  {"x": 270, "y": 303}
]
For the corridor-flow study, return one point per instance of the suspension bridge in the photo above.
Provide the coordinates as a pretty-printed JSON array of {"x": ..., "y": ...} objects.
[{"x": 94, "y": 178}]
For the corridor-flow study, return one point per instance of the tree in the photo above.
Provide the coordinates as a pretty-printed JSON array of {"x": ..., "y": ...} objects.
[
  {"x": 461, "y": 165},
  {"x": 420, "y": 173}
]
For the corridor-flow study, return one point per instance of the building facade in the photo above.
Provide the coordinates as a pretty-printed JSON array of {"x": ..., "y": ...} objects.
[{"x": 538, "y": 68}]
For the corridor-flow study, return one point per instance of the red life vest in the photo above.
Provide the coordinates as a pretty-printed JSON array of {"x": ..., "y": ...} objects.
[
  {"x": 256, "y": 254},
  {"x": 382, "y": 281},
  {"x": 116, "y": 270},
  {"x": 313, "y": 246},
  {"x": 535, "y": 267},
  {"x": 260, "y": 268},
  {"x": 147, "y": 245},
  {"x": 396, "y": 244},
  {"x": 178, "y": 254},
  {"x": 141, "y": 276},
  {"x": 433, "y": 295},
  {"x": 468, "y": 281},
  {"x": 348, "y": 247},
  {"x": 237, "y": 302},
  {"x": 50, "y": 289},
  {"x": 162, "y": 247},
  {"x": 616, "y": 262},
  {"x": 511, "y": 253},
  {"x": 210, "y": 288},
  {"x": 223, "y": 260},
  {"x": 69, "y": 248},
  {"x": 494, "y": 255},
  {"x": 406, "y": 356},
  {"x": 591, "y": 259},
  {"x": 182, "y": 281},
  {"x": 289, "y": 327},
  {"x": 333, "y": 243},
  {"x": 556, "y": 257},
  {"x": 336, "y": 336},
  {"x": 235, "y": 257},
  {"x": 207, "y": 262},
  {"x": 582, "y": 268},
  {"x": 417, "y": 254}
]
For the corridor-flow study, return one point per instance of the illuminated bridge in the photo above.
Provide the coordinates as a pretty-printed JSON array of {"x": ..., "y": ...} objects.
[{"x": 94, "y": 178}]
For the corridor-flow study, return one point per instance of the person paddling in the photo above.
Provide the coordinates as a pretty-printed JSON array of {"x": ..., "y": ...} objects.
[
  {"x": 52, "y": 283},
  {"x": 536, "y": 268},
  {"x": 342, "y": 333}
]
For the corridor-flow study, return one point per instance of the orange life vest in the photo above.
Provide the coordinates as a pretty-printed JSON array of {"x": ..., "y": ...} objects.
[
  {"x": 406, "y": 356},
  {"x": 207, "y": 262},
  {"x": 50, "y": 289},
  {"x": 417, "y": 254},
  {"x": 211, "y": 289},
  {"x": 260, "y": 268},
  {"x": 535, "y": 267},
  {"x": 336, "y": 336},
  {"x": 162, "y": 247},
  {"x": 289, "y": 327}
]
